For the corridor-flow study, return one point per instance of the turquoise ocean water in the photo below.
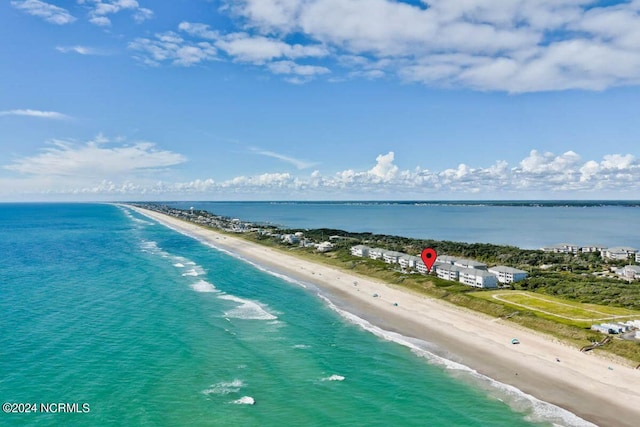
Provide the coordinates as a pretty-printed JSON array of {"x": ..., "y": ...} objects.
[{"x": 102, "y": 306}]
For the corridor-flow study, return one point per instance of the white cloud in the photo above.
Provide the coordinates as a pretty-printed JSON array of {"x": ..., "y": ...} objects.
[
  {"x": 300, "y": 164},
  {"x": 99, "y": 10},
  {"x": 96, "y": 159},
  {"x": 100, "y": 168},
  {"x": 513, "y": 46},
  {"x": 49, "y": 12},
  {"x": 80, "y": 50},
  {"x": 35, "y": 113},
  {"x": 170, "y": 47}
]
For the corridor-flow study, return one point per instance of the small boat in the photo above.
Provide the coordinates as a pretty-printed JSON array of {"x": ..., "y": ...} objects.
[{"x": 515, "y": 341}]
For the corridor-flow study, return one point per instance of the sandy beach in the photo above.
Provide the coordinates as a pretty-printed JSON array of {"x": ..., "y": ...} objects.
[{"x": 596, "y": 389}]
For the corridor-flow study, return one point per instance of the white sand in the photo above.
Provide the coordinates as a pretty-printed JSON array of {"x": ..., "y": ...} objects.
[{"x": 582, "y": 383}]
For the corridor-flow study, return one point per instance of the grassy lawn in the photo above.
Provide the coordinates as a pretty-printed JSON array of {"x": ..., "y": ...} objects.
[{"x": 563, "y": 311}]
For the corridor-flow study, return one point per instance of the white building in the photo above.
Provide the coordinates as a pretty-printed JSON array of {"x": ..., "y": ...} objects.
[
  {"x": 630, "y": 271},
  {"x": 446, "y": 259},
  {"x": 290, "y": 239},
  {"x": 325, "y": 247},
  {"x": 376, "y": 253},
  {"x": 391, "y": 257},
  {"x": 637, "y": 256},
  {"x": 508, "y": 274},
  {"x": 448, "y": 271},
  {"x": 408, "y": 261},
  {"x": 469, "y": 263},
  {"x": 478, "y": 278},
  {"x": 619, "y": 253},
  {"x": 562, "y": 248},
  {"x": 360, "y": 250},
  {"x": 593, "y": 248}
]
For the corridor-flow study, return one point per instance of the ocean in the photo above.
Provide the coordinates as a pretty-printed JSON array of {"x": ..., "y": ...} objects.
[
  {"x": 526, "y": 224},
  {"x": 121, "y": 321}
]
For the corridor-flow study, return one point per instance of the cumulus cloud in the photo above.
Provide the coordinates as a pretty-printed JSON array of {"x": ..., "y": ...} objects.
[
  {"x": 131, "y": 170},
  {"x": 35, "y": 113},
  {"x": 49, "y": 12},
  {"x": 513, "y": 46},
  {"x": 99, "y": 10},
  {"x": 276, "y": 55},
  {"x": 80, "y": 50}
]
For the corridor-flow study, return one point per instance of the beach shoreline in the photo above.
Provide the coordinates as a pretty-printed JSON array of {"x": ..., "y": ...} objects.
[{"x": 581, "y": 383}]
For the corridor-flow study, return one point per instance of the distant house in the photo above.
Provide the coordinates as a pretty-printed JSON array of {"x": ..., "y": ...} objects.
[
  {"x": 593, "y": 248},
  {"x": 391, "y": 257},
  {"x": 478, "y": 278},
  {"x": 448, "y": 271},
  {"x": 360, "y": 250},
  {"x": 469, "y": 263},
  {"x": 637, "y": 256},
  {"x": 562, "y": 248},
  {"x": 376, "y": 253},
  {"x": 619, "y": 253},
  {"x": 325, "y": 247},
  {"x": 630, "y": 271},
  {"x": 508, "y": 274},
  {"x": 290, "y": 239}
]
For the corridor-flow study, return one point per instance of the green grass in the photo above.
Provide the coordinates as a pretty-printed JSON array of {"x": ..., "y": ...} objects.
[{"x": 560, "y": 310}]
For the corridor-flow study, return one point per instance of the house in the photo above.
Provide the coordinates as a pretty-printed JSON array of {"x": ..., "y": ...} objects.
[
  {"x": 478, "y": 278},
  {"x": 290, "y": 239},
  {"x": 391, "y": 257},
  {"x": 325, "y": 247},
  {"x": 630, "y": 271},
  {"x": 469, "y": 263},
  {"x": 619, "y": 253},
  {"x": 448, "y": 271},
  {"x": 376, "y": 253},
  {"x": 637, "y": 256},
  {"x": 508, "y": 274},
  {"x": 360, "y": 250}
]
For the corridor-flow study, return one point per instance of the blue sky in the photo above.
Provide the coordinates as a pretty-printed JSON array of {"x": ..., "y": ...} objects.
[{"x": 319, "y": 99}]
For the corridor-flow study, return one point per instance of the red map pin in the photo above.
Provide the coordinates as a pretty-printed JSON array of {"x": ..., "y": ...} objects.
[{"x": 429, "y": 257}]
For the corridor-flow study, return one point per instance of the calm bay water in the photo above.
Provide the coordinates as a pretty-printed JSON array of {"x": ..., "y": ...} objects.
[
  {"x": 150, "y": 327},
  {"x": 529, "y": 225}
]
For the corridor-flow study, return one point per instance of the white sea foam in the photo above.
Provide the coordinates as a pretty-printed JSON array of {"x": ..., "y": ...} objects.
[
  {"x": 333, "y": 377},
  {"x": 203, "y": 286},
  {"x": 537, "y": 410},
  {"x": 247, "y": 309},
  {"x": 245, "y": 400},
  {"x": 179, "y": 265},
  {"x": 195, "y": 272},
  {"x": 225, "y": 387},
  {"x": 301, "y": 346}
]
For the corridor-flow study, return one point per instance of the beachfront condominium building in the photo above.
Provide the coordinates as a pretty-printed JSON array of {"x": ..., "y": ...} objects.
[
  {"x": 619, "y": 253},
  {"x": 376, "y": 253},
  {"x": 593, "y": 248},
  {"x": 637, "y": 256},
  {"x": 391, "y": 257},
  {"x": 446, "y": 259},
  {"x": 469, "y": 263},
  {"x": 448, "y": 271},
  {"x": 408, "y": 261},
  {"x": 478, "y": 278},
  {"x": 360, "y": 250},
  {"x": 508, "y": 274}
]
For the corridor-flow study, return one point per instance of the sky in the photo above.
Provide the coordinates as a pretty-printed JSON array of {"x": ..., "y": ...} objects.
[{"x": 104, "y": 100}]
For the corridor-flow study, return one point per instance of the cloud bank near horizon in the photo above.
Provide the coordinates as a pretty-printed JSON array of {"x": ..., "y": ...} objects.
[{"x": 103, "y": 167}]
